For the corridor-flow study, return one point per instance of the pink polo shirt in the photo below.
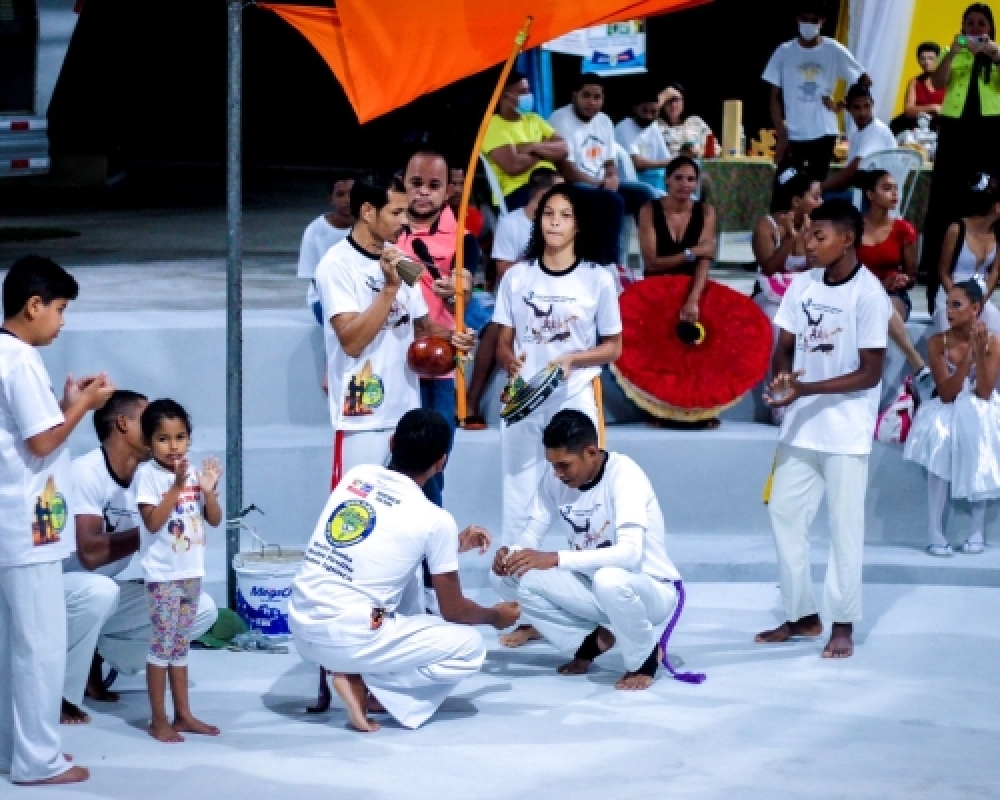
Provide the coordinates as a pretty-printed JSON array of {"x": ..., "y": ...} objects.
[{"x": 439, "y": 239}]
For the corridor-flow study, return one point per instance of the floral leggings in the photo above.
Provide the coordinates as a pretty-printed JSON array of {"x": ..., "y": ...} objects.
[{"x": 173, "y": 606}]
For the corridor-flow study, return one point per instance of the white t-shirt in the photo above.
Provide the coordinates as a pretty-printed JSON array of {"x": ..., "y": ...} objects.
[
  {"x": 512, "y": 236},
  {"x": 36, "y": 520},
  {"x": 831, "y": 325},
  {"x": 176, "y": 551},
  {"x": 373, "y": 533},
  {"x": 805, "y": 76},
  {"x": 874, "y": 137},
  {"x": 319, "y": 237},
  {"x": 590, "y": 144},
  {"x": 554, "y": 313},
  {"x": 98, "y": 493},
  {"x": 643, "y": 142},
  {"x": 613, "y": 522},
  {"x": 370, "y": 392}
]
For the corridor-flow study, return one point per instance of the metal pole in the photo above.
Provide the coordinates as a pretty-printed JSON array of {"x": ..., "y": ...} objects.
[{"x": 234, "y": 293}]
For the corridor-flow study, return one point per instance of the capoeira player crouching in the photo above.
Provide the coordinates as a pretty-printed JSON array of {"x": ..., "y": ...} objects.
[
  {"x": 556, "y": 306},
  {"x": 357, "y": 603},
  {"x": 617, "y": 583}
]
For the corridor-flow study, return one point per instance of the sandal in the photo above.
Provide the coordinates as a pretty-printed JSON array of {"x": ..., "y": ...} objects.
[
  {"x": 971, "y": 548},
  {"x": 475, "y": 422},
  {"x": 940, "y": 550}
]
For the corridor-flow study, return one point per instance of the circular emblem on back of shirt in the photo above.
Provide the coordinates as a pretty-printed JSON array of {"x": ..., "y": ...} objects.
[{"x": 350, "y": 523}]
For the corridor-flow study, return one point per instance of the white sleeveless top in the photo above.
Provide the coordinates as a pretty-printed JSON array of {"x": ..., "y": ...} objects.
[{"x": 773, "y": 287}]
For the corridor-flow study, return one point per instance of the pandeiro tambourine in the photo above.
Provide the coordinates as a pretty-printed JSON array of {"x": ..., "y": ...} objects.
[{"x": 531, "y": 395}]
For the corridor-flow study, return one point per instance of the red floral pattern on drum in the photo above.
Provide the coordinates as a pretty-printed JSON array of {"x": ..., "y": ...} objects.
[{"x": 674, "y": 380}]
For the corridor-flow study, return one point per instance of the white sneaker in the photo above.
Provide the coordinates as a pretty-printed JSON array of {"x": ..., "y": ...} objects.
[
  {"x": 971, "y": 548},
  {"x": 923, "y": 384},
  {"x": 941, "y": 550}
]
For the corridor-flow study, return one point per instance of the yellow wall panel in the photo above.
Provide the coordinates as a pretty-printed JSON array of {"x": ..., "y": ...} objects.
[{"x": 933, "y": 21}]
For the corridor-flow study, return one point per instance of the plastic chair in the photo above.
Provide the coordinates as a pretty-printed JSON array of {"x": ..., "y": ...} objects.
[
  {"x": 494, "y": 182},
  {"x": 623, "y": 161},
  {"x": 904, "y": 165}
]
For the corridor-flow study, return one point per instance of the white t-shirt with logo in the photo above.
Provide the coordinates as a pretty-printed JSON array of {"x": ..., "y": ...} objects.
[
  {"x": 805, "y": 76},
  {"x": 871, "y": 139},
  {"x": 555, "y": 313},
  {"x": 370, "y": 392},
  {"x": 176, "y": 551},
  {"x": 831, "y": 325},
  {"x": 319, "y": 237},
  {"x": 643, "y": 142},
  {"x": 613, "y": 522},
  {"x": 373, "y": 533},
  {"x": 512, "y": 236},
  {"x": 36, "y": 517},
  {"x": 97, "y": 492},
  {"x": 590, "y": 144}
]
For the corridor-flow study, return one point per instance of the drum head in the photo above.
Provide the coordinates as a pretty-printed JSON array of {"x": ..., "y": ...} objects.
[{"x": 532, "y": 394}]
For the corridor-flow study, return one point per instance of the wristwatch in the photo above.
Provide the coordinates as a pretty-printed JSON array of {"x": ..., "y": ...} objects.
[{"x": 688, "y": 255}]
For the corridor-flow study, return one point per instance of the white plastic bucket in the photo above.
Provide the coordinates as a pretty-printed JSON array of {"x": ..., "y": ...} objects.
[{"x": 263, "y": 588}]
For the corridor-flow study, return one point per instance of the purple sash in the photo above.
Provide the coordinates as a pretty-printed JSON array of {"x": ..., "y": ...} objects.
[{"x": 687, "y": 677}]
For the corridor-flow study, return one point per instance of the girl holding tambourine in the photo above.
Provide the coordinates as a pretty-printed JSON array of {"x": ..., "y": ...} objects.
[{"x": 555, "y": 306}]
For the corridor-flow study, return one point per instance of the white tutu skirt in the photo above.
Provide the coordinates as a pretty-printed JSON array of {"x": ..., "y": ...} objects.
[{"x": 960, "y": 443}]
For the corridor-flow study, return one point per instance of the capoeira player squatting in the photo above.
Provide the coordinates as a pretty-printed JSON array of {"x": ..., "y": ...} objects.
[
  {"x": 616, "y": 584},
  {"x": 357, "y": 603},
  {"x": 827, "y": 366}
]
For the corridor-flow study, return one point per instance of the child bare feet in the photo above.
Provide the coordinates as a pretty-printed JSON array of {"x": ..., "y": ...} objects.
[
  {"x": 354, "y": 694},
  {"x": 598, "y": 642},
  {"x": 72, "y": 775},
  {"x": 163, "y": 731},
  {"x": 807, "y": 626},
  {"x": 520, "y": 636},
  {"x": 70, "y": 714},
  {"x": 841, "y": 644},
  {"x": 191, "y": 724}
]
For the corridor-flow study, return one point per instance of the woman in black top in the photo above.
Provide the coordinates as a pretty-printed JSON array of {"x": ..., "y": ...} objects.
[{"x": 677, "y": 233}]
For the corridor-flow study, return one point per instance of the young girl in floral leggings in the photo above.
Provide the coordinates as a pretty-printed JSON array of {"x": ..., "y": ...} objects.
[{"x": 176, "y": 501}]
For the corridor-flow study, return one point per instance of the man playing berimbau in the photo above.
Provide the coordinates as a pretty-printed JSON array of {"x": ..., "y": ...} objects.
[{"x": 616, "y": 584}]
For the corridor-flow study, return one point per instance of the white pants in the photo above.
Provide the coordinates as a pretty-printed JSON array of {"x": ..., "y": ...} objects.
[
  {"x": 91, "y": 598},
  {"x": 411, "y": 664},
  {"x": 567, "y": 606},
  {"x": 990, "y": 314},
  {"x": 800, "y": 480},
  {"x": 523, "y": 456},
  {"x": 32, "y": 666},
  {"x": 125, "y": 637}
]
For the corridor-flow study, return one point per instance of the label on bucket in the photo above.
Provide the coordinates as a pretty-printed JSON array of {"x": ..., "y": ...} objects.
[{"x": 262, "y": 601}]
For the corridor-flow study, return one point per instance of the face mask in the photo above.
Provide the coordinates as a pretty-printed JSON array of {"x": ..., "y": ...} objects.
[
  {"x": 526, "y": 103},
  {"x": 808, "y": 30}
]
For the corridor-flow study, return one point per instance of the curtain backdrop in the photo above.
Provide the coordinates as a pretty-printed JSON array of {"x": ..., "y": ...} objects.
[{"x": 878, "y": 33}]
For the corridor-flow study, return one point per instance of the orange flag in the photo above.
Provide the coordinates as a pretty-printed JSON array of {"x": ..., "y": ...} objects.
[{"x": 386, "y": 53}]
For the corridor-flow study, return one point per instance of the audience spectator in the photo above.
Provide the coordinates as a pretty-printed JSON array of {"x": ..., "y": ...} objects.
[
  {"x": 969, "y": 252},
  {"x": 870, "y": 135},
  {"x": 682, "y": 135},
  {"x": 640, "y": 137},
  {"x": 514, "y": 229},
  {"x": 968, "y": 129},
  {"x": 474, "y": 217},
  {"x": 803, "y": 73},
  {"x": 889, "y": 249},
  {"x": 519, "y": 141},
  {"x": 323, "y": 233},
  {"x": 923, "y": 96}
]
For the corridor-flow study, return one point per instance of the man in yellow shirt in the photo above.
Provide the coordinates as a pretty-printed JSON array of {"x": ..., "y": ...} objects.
[{"x": 519, "y": 141}]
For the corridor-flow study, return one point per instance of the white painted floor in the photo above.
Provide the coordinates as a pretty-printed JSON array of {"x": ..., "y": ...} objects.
[{"x": 915, "y": 714}]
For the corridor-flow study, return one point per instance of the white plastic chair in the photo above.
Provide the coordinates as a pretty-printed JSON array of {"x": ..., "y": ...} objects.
[
  {"x": 903, "y": 164},
  {"x": 494, "y": 182},
  {"x": 623, "y": 161}
]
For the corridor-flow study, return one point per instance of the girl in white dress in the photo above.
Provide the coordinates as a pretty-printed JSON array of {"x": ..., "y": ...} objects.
[{"x": 956, "y": 435}]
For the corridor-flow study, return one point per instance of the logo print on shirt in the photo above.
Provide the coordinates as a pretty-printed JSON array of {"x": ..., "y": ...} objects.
[
  {"x": 50, "y": 515},
  {"x": 360, "y": 488},
  {"x": 365, "y": 392},
  {"x": 350, "y": 523},
  {"x": 582, "y": 538},
  {"x": 809, "y": 88},
  {"x": 547, "y": 328},
  {"x": 817, "y": 339},
  {"x": 181, "y": 543}
]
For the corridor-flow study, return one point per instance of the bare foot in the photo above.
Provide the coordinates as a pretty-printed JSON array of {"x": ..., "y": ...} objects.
[
  {"x": 353, "y": 692},
  {"x": 72, "y": 775},
  {"x": 70, "y": 714},
  {"x": 807, "y": 626},
  {"x": 162, "y": 731},
  {"x": 841, "y": 644},
  {"x": 191, "y": 724},
  {"x": 374, "y": 706},
  {"x": 101, "y": 695},
  {"x": 637, "y": 681},
  {"x": 580, "y": 666},
  {"x": 323, "y": 696},
  {"x": 520, "y": 636}
]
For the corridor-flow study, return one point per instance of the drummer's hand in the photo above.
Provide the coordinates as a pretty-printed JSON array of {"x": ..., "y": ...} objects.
[
  {"x": 474, "y": 538},
  {"x": 444, "y": 287},
  {"x": 567, "y": 363},
  {"x": 464, "y": 341},
  {"x": 500, "y": 561},
  {"x": 784, "y": 389},
  {"x": 690, "y": 311},
  {"x": 523, "y": 561},
  {"x": 515, "y": 364},
  {"x": 389, "y": 259}
]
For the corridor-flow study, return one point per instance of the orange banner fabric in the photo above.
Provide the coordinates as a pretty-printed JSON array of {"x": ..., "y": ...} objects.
[{"x": 386, "y": 53}]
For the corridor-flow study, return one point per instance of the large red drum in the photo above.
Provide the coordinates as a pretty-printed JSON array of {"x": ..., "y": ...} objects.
[
  {"x": 431, "y": 357},
  {"x": 690, "y": 382}
]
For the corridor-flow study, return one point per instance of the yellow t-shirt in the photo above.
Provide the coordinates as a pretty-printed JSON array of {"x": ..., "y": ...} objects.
[{"x": 529, "y": 128}]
